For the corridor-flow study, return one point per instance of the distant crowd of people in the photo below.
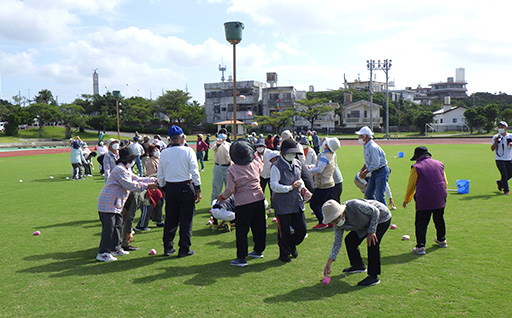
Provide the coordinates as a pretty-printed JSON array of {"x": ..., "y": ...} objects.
[{"x": 149, "y": 175}]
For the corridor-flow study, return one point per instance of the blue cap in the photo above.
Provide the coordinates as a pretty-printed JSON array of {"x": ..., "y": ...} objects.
[{"x": 175, "y": 130}]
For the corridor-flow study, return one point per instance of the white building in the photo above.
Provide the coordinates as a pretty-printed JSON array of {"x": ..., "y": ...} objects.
[
  {"x": 450, "y": 118},
  {"x": 357, "y": 114}
]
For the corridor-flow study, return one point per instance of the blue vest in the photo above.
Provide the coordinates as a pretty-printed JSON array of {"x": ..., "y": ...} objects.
[{"x": 290, "y": 202}]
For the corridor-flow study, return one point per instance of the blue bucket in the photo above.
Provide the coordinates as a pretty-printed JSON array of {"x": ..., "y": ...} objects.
[
  {"x": 462, "y": 186},
  {"x": 400, "y": 154}
]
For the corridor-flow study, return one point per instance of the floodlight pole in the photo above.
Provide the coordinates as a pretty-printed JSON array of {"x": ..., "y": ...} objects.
[{"x": 370, "y": 64}]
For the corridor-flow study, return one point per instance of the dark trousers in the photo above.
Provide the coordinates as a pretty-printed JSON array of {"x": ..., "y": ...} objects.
[
  {"x": 421, "y": 223},
  {"x": 336, "y": 193},
  {"x": 251, "y": 216},
  {"x": 179, "y": 210},
  {"x": 352, "y": 242},
  {"x": 505, "y": 168},
  {"x": 199, "y": 155},
  {"x": 320, "y": 196},
  {"x": 111, "y": 224},
  {"x": 205, "y": 158},
  {"x": 288, "y": 242},
  {"x": 149, "y": 212},
  {"x": 263, "y": 184}
]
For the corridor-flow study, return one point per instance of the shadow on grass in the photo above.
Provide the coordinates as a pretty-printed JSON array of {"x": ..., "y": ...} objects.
[
  {"x": 83, "y": 263},
  {"x": 480, "y": 197},
  {"x": 81, "y": 223},
  {"x": 316, "y": 292},
  {"x": 56, "y": 178},
  {"x": 207, "y": 274}
]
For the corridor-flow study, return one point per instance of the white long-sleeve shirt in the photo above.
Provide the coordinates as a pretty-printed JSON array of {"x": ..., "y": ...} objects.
[
  {"x": 275, "y": 177},
  {"x": 178, "y": 164}
]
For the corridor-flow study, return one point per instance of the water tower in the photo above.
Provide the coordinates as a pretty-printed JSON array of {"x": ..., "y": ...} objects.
[{"x": 95, "y": 83}]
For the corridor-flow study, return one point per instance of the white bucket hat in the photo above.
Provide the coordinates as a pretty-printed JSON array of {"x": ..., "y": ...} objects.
[
  {"x": 333, "y": 144},
  {"x": 331, "y": 210}
]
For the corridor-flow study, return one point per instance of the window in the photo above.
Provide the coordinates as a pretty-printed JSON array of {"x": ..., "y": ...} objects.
[
  {"x": 287, "y": 95},
  {"x": 441, "y": 121},
  {"x": 353, "y": 114},
  {"x": 454, "y": 120},
  {"x": 365, "y": 114}
]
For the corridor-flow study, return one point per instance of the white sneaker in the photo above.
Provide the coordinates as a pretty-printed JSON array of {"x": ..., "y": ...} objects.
[
  {"x": 105, "y": 257},
  {"x": 120, "y": 252},
  {"x": 442, "y": 244},
  {"x": 419, "y": 250}
]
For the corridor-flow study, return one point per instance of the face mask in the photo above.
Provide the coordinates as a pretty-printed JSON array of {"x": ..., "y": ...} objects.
[
  {"x": 361, "y": 141},
  {"x": 341, "y": 222},
  {"x": 156, "y": 154},
  {"x": 101, "y": 143},
  {"x": 304, "y": 146},
  {"x": 501, "y": 130},
  {"x": 289, "y": 156},
  {"x": 130, "y": 164},
  {"x": 260, "y": 149},
  {"x": 115, "y": 146},
  {"x": 222, "y": 136}
]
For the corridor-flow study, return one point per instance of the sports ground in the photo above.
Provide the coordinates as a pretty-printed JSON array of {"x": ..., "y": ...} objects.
[{"x": 55, "y": 274}]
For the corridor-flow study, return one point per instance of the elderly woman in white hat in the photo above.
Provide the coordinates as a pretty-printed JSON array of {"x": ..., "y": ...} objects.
[
  {"x": 324, "y": 180},
  {"x": 368, "y": 219}
]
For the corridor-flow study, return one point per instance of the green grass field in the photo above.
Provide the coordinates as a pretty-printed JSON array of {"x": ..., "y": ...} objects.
[{"x": 56, "y": 275}]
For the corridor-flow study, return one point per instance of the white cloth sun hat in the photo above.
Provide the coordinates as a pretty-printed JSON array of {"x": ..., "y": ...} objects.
[
  {"x": 333, "y": 144},
  {"x": 365, "y": 130}
]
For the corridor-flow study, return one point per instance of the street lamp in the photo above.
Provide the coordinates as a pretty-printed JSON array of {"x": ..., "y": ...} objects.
[
  {"x": 233, "y": 32},
  {"x": 370, "y": 64},
  {"x": 385, "y": 66},
  {"x": 117, "y": 95}
]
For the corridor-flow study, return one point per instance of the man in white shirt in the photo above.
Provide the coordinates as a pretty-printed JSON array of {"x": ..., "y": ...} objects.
[
  {"x": 178, "y": 174},
  {"x": 502, "y": 146}
]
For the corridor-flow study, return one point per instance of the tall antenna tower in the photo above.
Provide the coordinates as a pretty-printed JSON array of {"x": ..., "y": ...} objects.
[
  {"x": 222, "y": 69},
  {"x": 95, "y": 82}
]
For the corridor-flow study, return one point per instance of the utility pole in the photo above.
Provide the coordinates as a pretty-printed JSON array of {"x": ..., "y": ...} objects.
[{"x": 370, "y": 64}]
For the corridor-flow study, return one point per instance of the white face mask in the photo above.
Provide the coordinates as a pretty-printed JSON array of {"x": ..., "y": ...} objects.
[
  {"x": 289, "y": 157},
  {"x": 115, "y": 146},
  {"x": 361, "y": 141},
  {"x": 260, "y": 149},
  {"x": 156, "y": 154},
  {"x": 341, "y": 222},
  {"x": 129, "y": 165},
  {"x": 501, "y": 130},
  {"x": 304, "y": 146}
]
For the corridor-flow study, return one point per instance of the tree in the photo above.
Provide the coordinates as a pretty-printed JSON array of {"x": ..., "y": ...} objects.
[
  {"x": 45, "y": 97},
  {"x": 14, "y": 115},
  {"x": 506, "y": 115},
  {"x": 277, "y": 120},
  {"x": 73, "y": 116},
  {"x": 475, "y": 119},
  {"x": 193, "y": 114},
  {"x": 172, "y": 104},
  {"x": 490, "y": 112},
  {"x": 314, "y": 108},
  {"x": 44, "y": 113},
  {"x": 422, "y": 118}
]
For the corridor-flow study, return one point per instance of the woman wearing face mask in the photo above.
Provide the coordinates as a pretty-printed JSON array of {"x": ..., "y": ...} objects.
[
  {"x": 368, "y": 219},
  {"x": 287, "y": 200},
  {"x": 112, "y": 199},
  {"x": 109, "y": 160},
  {"x": 309, "y": 153},
  {"x": 324, "y": 179},
  {"x": 153, "y": 211},
  {"x": 263, "y": 153}
]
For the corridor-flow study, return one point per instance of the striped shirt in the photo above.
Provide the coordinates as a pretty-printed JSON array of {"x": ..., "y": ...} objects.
[{"x": 117, "y": 188}]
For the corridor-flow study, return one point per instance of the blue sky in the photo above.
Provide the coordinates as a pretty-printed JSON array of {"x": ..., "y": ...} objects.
[{"x": 144, "y": 47}]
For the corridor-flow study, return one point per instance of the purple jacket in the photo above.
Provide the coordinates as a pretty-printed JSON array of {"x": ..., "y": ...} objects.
[{"x": 430, "y": 187}]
